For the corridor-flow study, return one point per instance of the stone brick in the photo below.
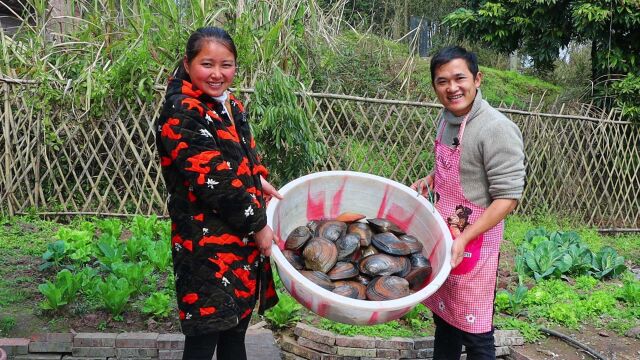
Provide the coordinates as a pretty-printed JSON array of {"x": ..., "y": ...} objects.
[
  {"x": 94, "y": 351},
  {"x": 359, "y": 341},
  {"x": 15, "y": 346},
  {"x": 49, "y": 347},
  {"x": 95, "y": 340},
  {"x": 317, "y": 335},
  {"x": 129, "y": 353},
  {"x": 170, "y": 354},
  {"x": 502, "y": 351},
  {"x": 170, "y": 341},
  {"x": 290, "y": 356},
  {"x": 349, "y": 351},
  {"x": 516, "y": 354},
  {"x": 509, "y": 341},
  {"x": 506, "y": 333},
  {"x": 388, "y": 353},
  {"x": 423, "y": 343},
  {"x": 137, "y": 340},
  {"x": 408, "y": 354},
  {"x": 395, "y": 343},
  {"x": 71, "y": 357},
  {"x": 53, "y": 337},
  {"x": 292, "y": 347},
  {"x": 38, "y": 357},
  {"x": 416, "y": 354},
  {"x": 324, "y": 348},
  {"x": 339, "y": 357}
]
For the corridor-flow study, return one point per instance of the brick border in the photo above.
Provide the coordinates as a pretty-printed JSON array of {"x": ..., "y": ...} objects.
[
  {"x": 311, "y": 343},
  {"x": 94, "y": 346}
]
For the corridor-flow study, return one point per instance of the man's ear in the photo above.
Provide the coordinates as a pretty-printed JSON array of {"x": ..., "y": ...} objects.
[{"x": 478, "y": 80}]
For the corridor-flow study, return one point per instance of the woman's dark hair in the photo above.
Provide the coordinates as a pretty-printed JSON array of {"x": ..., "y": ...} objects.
[
  {"x": 196, "y": 41},
  {"x": 450, "y": 53}
]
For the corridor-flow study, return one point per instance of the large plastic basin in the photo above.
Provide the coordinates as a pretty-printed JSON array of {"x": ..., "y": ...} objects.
[{"x": 328, "y": 194}]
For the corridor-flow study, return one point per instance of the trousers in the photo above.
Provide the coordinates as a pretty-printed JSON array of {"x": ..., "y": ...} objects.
[
  {"x": 449, "y": 340},
  {"x": 230, "y": 344}
]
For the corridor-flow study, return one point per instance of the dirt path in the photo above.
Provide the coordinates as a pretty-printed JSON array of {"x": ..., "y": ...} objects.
[{"x": 608, "y": 344}]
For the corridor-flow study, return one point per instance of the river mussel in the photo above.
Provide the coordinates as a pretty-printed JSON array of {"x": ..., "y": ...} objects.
[{"x": 365, "y": 259}]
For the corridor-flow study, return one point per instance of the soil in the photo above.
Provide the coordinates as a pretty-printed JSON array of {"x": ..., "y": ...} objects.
[{"x": 608, "y": 344}]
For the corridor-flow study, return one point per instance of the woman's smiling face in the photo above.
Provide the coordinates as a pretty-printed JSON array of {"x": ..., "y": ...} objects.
[
  {"x": 213, "y": 69},
  {"x": 456, "y": 87}
]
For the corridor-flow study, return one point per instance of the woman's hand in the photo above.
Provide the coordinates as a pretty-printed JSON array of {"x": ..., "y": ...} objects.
[
  {"x": 423, "y": 186},
  {"x": 264, "y": 240},
  {"x": 269, "y": 191}
]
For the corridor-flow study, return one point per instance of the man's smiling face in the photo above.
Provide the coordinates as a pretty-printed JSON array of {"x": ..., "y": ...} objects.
[{"x": 456, "y": 87}]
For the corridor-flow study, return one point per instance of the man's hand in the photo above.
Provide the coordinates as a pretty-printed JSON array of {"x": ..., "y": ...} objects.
[
  {"x": 264, "y": 240},
  {"x": 457, "y": 253},
  {"x": 423, "y": 186}
]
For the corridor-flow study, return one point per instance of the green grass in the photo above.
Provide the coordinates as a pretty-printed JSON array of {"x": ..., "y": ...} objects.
[
  {"x": 511, "y": 87},
  {"x": 386, "y": 330},
  {"x": 29, "y": 235}
]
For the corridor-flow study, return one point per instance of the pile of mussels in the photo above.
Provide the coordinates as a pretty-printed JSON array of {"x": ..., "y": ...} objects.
[{"x": 372, "y": 260}]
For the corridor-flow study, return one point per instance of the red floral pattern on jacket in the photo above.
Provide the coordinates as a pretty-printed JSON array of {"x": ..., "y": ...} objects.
[{"x": 212, "y": 174}]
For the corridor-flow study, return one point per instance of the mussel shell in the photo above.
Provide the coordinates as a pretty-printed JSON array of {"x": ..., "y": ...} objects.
[
  {"x": 383, "y": 264},
  {"x": 406, "y": 269},
  {"x": 418, "y": 260},
  {"x": 297, "y": 238},
  {"x": 417, "y": 277},
  {"x": 349, "y": 217},
  {"x": 294, "y": 259},
  {"x": 319, "y": 278},
  {"x": 363, "y": 231},
  {"x": 352, "y": 289},
  {"x": 412, "y": 242},
  {"x": 369, "y": 250},
  {"x": 343, "y": 270},
  {"x": 320, "y": 254},
  {"x": 363, "y": 279},
  {"x": 381, "y": 225},
  {"x": 313, "y": 225},
  {"x": 347, "y": 245},
  {"x": 331, "y": 230},
  {"x": 390, "y": 244},
  {"x": 387, "y": 288}
]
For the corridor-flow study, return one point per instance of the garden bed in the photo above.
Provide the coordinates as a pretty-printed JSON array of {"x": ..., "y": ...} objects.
[{"x": 603, "y": 317}]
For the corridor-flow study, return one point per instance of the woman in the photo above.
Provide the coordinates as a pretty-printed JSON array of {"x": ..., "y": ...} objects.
[{"x": 217, "y": 199}]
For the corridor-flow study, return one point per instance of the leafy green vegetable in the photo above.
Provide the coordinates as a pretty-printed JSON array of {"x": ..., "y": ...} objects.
[
  {"x": 158, "y": 305},
  {"x": 607, "y": 263},
  {"x": 630, "y": 293},
  {"x": 545, "y": 260},
  {"x": 285, "y": 312},
  {"x": 55, "y": 254},
  {"x": 114, "y": 294},
  {"x": 60, "y": 292}
]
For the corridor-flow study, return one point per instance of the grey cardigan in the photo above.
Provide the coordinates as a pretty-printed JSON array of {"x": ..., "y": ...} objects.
[{"x": 492, "y": 161}]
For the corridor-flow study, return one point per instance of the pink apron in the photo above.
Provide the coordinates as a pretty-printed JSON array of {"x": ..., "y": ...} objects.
[{"x": 465, "y": 300}]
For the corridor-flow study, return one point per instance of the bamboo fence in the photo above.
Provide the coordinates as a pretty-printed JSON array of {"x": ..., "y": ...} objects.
[{"x": 580, "y": 163}]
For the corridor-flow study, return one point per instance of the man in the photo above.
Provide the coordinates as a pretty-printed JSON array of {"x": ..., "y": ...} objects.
[{"x": 477, "y": 179}]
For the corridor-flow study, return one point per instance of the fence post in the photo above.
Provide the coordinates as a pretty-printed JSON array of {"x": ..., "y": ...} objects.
[{"x": 4, "y": 194}]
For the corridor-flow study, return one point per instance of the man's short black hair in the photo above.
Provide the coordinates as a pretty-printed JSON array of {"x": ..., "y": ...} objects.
[{"x": 450, "y": 53}]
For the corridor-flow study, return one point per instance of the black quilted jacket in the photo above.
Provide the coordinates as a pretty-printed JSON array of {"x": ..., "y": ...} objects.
[{"x": 212, "y": 174}]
